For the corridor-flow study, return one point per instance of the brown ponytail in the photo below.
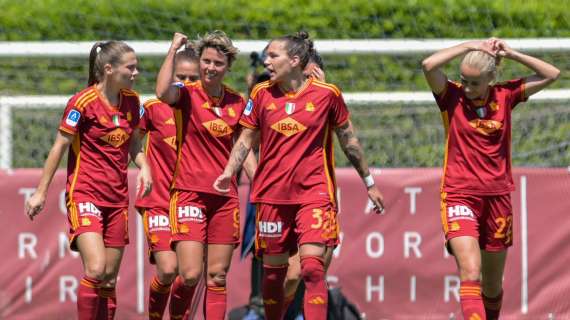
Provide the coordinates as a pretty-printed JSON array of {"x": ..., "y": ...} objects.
[{"x": 102, "y": 53}]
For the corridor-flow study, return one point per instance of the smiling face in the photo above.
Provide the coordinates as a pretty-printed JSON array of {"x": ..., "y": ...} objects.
[
  {"x": 475, "y": 82},
  {"x": 278, "y": 63},
  {"x": 124, "y": 73},
  {"x": 213, "y": 66}
]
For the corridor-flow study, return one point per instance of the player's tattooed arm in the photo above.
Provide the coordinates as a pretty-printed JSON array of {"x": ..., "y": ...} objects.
[
  {"x": 237, "y": 157},
  {"x": 352, "y": 149}
]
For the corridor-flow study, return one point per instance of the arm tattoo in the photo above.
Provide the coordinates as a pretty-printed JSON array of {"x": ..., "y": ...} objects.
[
  {"x": 239, "y": 153},
  {"x": 352, "y": 149}
]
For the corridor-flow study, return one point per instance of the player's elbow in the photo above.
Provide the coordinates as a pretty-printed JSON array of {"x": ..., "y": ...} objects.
[{"x": 427, "y": 66}]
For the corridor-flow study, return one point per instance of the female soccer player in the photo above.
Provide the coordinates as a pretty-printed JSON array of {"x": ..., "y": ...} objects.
[
  {"x": 477, "y": 180},
  {"x": 158, "y": 121},
  {"x": 199, "y": 215},
  {"x": 100, "y": 128},
  {"x": 294, "y": 185}
]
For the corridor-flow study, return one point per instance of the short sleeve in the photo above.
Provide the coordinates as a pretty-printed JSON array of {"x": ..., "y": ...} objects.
[
  {"x": 72, "y": 118},
  {"x": 144, "y": 118},
  {"x": 339, "y": 111},
  {"x": 250, "y": 115},
  {"x": 448, "y": 97},
  {"x": 516, "y": 91}
]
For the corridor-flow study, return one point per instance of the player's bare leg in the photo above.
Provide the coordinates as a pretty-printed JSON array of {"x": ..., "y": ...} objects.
[
  {"x": 493, "y": 267},
  {"x": 468, "y": 258},
  {"x": 190, "y": 255},
  {"x": 219, "y": 258},
  {"x": 107, "y": 291},
  {"x": 166, "y": 271},
  {"x": 92, "y": 251}
]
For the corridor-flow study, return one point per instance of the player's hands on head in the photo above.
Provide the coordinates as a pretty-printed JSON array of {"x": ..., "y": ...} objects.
[
  {"x": 487, "y": 46},
  {"x": 34, "y": 205},
  {"x": 178, "y": 40},
  {"x": 377, "y": 199},
  {"x": 222, "y": 183}
]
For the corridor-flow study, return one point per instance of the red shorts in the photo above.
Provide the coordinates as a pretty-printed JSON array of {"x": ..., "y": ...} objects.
[
  {"x": 111, "y": 222},
  {"x": 282, "y": 228},
  {"x": 487, "y": 218},
  {"x": 204, "y": 217},
  {"x": 157, "y": 229}
]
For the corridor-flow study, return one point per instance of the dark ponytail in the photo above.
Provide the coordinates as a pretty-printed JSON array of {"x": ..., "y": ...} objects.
[
  {"x": 299, "y": 44},
  {"x": 103, "y": 53}
]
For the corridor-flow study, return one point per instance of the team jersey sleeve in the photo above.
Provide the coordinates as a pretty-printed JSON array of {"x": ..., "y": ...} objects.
[
  {"x": 339, "y": 111},
  {"x": 144, "y": 117},
  {"x": 250, "y": 115},
  {"x": 516, "y": 91},
  {"x": 447, "y": 98},
  {"x": 72, "y": 118}
]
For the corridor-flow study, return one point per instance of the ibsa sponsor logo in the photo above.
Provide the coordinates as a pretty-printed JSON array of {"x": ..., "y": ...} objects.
[
  {"x": 190, "y": 213},
  {"x": 459, "y": 212},
  {"x": 486, "y": 127},
  {"x": 288, "y": 127},
  {"x": 88, "y": 209},
  {"x": 116, "y": 138},
  {"x": 218, "y": 128},
  {"x": 270, "y": 229},
  {"x": 158, "y": 222},
  {"x": 72, "y": 118}
]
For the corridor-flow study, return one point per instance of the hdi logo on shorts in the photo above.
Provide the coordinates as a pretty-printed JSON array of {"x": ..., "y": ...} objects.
[
  {"x": 158, "y": 222},
  {"x": 190, "y": 213},
  {"x": 267, "y": 228},
  {"x": 460, "y": 212},
  {"x": 88, "y": 207}
]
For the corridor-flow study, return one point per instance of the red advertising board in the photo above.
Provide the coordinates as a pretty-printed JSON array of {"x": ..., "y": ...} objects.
[{"x": 392, "y": 266}]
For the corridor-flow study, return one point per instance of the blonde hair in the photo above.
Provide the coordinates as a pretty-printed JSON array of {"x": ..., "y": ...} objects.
[
  {"x": 482, "y": 61},
  {"x": 220, "y": 41}
]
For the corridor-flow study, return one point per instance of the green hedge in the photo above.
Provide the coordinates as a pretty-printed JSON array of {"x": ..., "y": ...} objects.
[{"x": 261, "y": 19}]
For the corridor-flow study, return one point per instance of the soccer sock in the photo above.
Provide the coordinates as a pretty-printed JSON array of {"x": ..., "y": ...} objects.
[
  {"x": 471, "y": 301},
  {"x": 180, "y": 298},
  {"x": 316, "y": 295},
  {"x": 287, "y": 302},
  {"x": 108, "y": 303},
  {"x": 215, "y": 304},
  {"x": 87, "y": 298},
  {"x": 157, "y": 298},
  {"x": 493, "y": 306},
  {"x": 272, "y": 290}
]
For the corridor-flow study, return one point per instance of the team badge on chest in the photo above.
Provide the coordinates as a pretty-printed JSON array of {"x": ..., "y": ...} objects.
[{"x": 289, "y": 107}]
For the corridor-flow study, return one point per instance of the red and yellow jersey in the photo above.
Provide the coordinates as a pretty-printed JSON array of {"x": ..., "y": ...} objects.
[
  {"x": 207, "y": 131},
  {"x": 159, "y": 123},
  {"x": 99, "y": 155},
  {"x": 478, "y": 148},
  {"x": 296, "y": 159}
]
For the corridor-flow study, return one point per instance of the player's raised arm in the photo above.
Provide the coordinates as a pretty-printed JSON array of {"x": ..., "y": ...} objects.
[
  {"x": 165, "y": 91},
  {"x": 432, "y": 64},
  {"x": 545, "y": 72}
]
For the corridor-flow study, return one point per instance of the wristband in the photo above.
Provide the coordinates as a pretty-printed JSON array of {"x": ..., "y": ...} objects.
[{"x": 368, "y": 181}]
